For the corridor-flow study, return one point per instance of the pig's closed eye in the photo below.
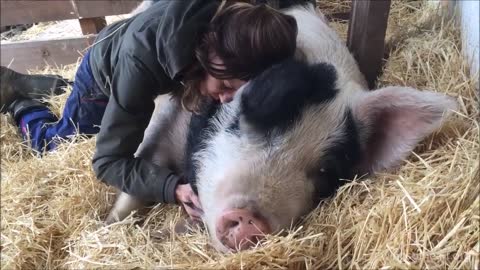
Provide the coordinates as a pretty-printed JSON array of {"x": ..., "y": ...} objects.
[{"x": 190, "y": 204}]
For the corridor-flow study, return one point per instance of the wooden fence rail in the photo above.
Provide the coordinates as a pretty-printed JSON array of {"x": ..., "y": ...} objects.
[
  {"x": 366, "y": 32},
  {"x": 24, "y": 12},
  {"x": 25, "y": 55}
]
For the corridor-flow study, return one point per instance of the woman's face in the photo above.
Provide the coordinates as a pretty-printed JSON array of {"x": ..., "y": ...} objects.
[{"x": 221, "y": 90}]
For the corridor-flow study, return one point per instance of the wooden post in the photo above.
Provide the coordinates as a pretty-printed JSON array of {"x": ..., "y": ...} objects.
[
  {"x": 92, "y": 25},
  {"x": 366, "y": 35},
  {"x": 24, "y": 55}
]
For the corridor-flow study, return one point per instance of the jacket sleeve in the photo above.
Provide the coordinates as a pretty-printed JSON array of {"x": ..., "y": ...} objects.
[{"x": 126, "y": 117}]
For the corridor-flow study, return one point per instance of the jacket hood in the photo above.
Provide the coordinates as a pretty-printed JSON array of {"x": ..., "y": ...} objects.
[{"x": 183, "y": 21}]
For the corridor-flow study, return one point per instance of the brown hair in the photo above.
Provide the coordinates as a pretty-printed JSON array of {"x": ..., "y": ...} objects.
[{"x": 248, "y": 39}]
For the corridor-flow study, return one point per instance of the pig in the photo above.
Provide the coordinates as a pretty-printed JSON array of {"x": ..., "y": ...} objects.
[{"x": 290, "y": 137}]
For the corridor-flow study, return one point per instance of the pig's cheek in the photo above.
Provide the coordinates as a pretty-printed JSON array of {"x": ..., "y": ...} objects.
[
  {"x": 209, "y": 220},
  {"x": 218, "y": 245}
]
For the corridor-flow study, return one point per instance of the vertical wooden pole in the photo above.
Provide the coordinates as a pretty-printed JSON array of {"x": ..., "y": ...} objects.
[{"x": 366, "y": 35}]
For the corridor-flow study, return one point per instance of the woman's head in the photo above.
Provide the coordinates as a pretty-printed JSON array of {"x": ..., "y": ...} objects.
[{"x": 242, "y": 41}]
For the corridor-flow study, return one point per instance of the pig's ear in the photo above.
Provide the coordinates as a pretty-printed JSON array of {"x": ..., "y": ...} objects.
[{"x": 393, "y": 120}]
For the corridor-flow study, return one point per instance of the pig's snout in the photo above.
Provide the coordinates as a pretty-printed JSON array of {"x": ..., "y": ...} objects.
[{"x": 241, "y": 228}]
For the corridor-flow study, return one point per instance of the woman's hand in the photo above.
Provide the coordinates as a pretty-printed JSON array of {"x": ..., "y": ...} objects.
[{"x": 185, "y": 195}]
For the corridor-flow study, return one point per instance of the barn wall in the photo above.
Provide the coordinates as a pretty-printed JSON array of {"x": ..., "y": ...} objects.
[
  {"x": 466, "y": 14},
  {"x": 469, "y": 19}
]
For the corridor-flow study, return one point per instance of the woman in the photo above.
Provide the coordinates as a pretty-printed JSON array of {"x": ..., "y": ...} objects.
[{"x": 190, "y": 49}]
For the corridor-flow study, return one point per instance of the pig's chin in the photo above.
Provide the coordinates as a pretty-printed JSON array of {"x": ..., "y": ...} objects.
[
  {"x": 277, "y": 213},
  {"x": 210, "y": 220},
  {"x": 218, "y": 245}
]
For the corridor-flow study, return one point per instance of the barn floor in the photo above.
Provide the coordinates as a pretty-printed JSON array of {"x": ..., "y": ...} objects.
[{"x": 424, "y": 216}]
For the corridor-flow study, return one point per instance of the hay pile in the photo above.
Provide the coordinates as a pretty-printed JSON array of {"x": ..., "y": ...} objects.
[{"x": 425, "y": 216}]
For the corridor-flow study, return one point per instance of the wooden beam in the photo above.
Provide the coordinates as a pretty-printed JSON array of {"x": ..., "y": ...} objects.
[
  {"x": 25, "y": 12},
  {"x": 100, "y": 8},
  {"x": 92, "y": 25},
  {"x": 366, "y": 35},
  {"x": 23, "y": 56}
]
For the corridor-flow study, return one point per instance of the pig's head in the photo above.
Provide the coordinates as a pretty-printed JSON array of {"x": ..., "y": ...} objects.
[{"x": 291, "y": 136}]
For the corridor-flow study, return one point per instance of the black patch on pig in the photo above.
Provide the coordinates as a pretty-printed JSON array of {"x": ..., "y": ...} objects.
[
  {"x": 278, "y": 96},
  {"x": 200, "y": 131},
  {"x": 338, "y": 164}
]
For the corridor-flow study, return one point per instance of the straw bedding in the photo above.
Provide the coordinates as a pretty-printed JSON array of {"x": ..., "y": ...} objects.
[{"x": 426, "y": 215}]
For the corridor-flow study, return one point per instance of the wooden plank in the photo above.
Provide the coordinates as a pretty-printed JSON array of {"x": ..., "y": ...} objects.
[
  {"x": 366, "y": 35},
  {"x": 92, "y": 25},
  {"x": 25, "y": 12},
  {"x": 100, "y": 8},
  {"x": 22, "y": 56}
]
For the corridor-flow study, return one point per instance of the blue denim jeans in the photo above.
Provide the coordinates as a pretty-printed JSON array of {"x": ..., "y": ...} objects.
[{"x": 83, "y": 113}]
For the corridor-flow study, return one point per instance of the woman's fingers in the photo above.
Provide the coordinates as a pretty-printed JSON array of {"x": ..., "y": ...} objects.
[{"x": 190, "y": 201}]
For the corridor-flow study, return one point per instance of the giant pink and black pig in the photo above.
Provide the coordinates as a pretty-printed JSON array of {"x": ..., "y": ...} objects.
[{"x": 288, "y": 138}]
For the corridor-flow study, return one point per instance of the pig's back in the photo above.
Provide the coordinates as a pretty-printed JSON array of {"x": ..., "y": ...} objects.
[
  {"x": 318, "y": 42},
  {"x": 165, "y": 138}
]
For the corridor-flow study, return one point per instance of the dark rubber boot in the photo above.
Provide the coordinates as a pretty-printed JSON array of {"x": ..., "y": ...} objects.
[
  {"x": 16, "y": 85},
  {"x": 7, "y": 96},
  {"x": 19, "y": 106}
]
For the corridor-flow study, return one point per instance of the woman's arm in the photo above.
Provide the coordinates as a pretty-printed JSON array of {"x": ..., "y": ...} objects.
[{"x": 126, "y": 117}]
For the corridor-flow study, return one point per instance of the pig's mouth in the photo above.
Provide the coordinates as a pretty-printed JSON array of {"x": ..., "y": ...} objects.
[{"x": 241, "y": 228}]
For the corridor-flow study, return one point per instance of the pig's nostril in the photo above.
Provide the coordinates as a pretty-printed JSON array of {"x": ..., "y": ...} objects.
[
  {"x": 233, "y": 224},
  {"x": 228, "y": 227}
]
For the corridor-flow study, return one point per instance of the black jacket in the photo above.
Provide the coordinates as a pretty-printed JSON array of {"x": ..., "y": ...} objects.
[{"x": 135, "y": 60}]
